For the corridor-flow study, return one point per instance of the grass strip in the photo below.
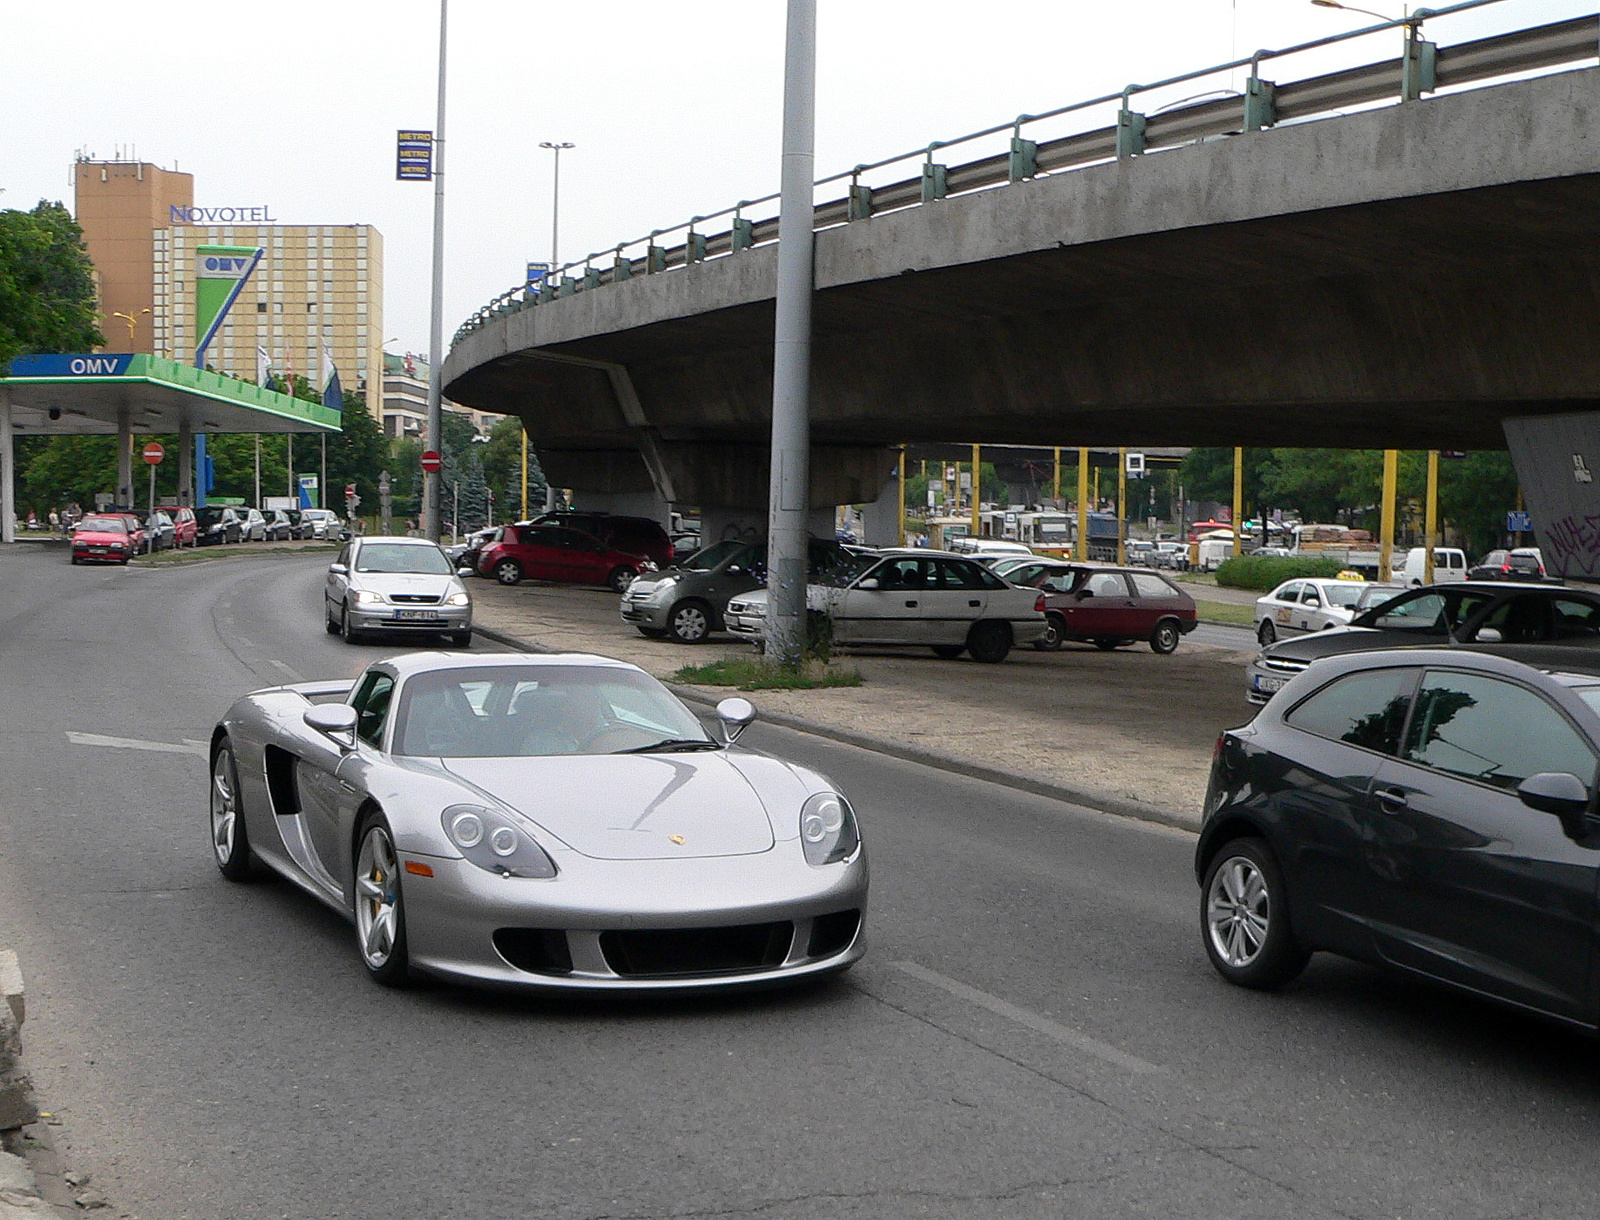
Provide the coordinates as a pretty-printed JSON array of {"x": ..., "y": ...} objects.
[
  {"x": 1224, "y": 612},
  {"x": 756, "y": 673},
  {"x": 208, "y": 553}
]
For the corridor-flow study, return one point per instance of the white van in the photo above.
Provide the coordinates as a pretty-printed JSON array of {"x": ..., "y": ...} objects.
[
  {"x": 1212, "y": 551},
  {"x": 1449, "y": 563}
]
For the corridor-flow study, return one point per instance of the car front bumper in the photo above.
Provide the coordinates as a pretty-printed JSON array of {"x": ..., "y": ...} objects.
[
  {"x": 653, "y": 615},
  {"x": 418, "y": 618}
]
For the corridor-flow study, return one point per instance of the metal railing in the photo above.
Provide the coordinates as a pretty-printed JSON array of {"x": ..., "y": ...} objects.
[{"x": 1422, "y": 67}]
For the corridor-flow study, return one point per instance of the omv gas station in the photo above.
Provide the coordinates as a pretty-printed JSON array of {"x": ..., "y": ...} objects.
[{"x": 129, "y": 394}]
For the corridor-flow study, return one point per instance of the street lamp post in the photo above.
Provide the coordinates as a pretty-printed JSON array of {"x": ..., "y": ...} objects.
[
  {"x": 555, "y": 201},
  {"x": 431, "y": 524}
]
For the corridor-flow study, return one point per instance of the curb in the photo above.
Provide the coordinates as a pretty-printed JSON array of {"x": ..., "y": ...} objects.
[{"x": 1087, "y": 798}]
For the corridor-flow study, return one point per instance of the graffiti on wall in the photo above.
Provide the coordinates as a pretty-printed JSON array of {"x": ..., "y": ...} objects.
[{"x": 1575, "y": 545}]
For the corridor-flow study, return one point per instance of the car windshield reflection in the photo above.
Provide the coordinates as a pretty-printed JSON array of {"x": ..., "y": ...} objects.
[{"x": 400, "y": 557}]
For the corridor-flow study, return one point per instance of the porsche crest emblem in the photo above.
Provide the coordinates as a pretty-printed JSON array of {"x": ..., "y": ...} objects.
[{"x": 678, "y": 839}]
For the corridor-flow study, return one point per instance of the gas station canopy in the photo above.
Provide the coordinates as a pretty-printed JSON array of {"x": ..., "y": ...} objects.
[{"x": 104, "y": 392}]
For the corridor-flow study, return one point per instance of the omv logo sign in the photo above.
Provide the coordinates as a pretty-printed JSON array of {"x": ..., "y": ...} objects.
[
  {"x": 88, "y": 365},
  {"x": 221, "y": 267}
]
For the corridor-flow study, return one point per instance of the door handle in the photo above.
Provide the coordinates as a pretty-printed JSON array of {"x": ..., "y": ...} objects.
[
  {"x": 974, "y": 602},
  {"x": 911, "y": 605},
  {"x": 1392, "y": 800}
]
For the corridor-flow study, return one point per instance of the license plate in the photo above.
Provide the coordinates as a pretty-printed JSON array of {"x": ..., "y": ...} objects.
[
  {"x": 423, "y": 615},
  {"x": 1267, "y": 685},
  {"x": 97, "y": 550}
]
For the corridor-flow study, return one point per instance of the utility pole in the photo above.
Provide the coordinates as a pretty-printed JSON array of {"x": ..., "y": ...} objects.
[
  {"x": 788, "y": 497},
  {"x": 435, "y": 435},
  {"x": 384, "y": 502}
]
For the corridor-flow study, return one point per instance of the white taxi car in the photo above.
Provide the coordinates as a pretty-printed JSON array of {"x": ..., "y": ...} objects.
[
  {"x": 1299, "y": 606},
  {"x": 912, "y": 597}
]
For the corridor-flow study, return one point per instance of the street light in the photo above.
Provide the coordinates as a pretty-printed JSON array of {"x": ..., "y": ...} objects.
[
  {"x": 132, "y": 319},
  {"x": 555, "y": 203},
  {"x": 1366, "y": 12}
]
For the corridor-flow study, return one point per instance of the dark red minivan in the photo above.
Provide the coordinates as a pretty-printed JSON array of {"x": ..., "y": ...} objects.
[{"x": 566, "y": 556}]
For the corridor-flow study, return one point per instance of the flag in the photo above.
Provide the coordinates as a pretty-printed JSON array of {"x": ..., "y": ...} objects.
[
  {"x": 264, "y": 375},
  {"x": 332, "y": 395}
]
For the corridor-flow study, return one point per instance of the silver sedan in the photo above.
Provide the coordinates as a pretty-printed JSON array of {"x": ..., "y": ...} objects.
[
  {"x": 557, "y": 822},
  {"x": 396, "y": 584}
]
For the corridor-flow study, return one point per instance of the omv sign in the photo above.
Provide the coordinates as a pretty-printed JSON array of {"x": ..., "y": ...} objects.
[
  {"x": 88, "y": 365},
  {"x": 221, "y": 267}
]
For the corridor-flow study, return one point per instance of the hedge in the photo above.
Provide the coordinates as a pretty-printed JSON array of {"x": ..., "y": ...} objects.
[{"x": 1264, "y": 573}]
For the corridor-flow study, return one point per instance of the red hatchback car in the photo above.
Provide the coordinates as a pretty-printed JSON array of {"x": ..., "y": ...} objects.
[
  {"x": 104, "y": 538},
  {"x": 1108, "y": 607},
  {"x": 549, "y": 552}
]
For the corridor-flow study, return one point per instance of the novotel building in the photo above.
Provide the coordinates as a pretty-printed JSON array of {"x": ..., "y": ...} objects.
[{"x": 316, "y": 285}]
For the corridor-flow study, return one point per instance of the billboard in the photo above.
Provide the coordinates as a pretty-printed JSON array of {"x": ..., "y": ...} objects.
[{"x": 220, "y": 273}]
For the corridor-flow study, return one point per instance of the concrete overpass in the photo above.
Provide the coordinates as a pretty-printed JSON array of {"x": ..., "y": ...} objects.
[{"x": 1408, "y": 276}]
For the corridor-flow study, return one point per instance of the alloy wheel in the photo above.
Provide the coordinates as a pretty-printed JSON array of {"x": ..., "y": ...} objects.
[
  {"x": 377, "y": 898},
  {"x": 690, "y": 624},
  {"x": 224, "y": 807},
  {"x": 1238, "y": 912}
]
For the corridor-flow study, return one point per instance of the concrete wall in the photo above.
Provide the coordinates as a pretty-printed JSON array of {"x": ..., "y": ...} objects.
[{"x": 1558, "y": 464}]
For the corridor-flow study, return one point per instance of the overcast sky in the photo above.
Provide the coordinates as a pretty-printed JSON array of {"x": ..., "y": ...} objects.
[{"x": 674, "y": 106}]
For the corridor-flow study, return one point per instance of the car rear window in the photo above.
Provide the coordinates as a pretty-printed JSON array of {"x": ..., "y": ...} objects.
[{"x": 1146, "y": 584}]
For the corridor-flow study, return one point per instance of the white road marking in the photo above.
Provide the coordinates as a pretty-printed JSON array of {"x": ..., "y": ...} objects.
[
  {"x": 1033, "y": 1020},
  {"x": 293, "y": 675},
  {"x": 133, "y": 743}
]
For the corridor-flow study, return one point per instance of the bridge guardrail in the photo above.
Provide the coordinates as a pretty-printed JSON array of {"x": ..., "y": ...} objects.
[{"x": 1422, "y": 67}]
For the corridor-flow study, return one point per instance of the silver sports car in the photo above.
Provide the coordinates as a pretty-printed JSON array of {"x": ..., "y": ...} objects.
[{"x": 557, "y": 821}]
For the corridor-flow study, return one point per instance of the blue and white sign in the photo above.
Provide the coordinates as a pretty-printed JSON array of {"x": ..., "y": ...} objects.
[
  {"x": 413, "y": 156},
  {"x": 97, "y": 364},
  {"x": 1519, "y": 523},
  {"x": 222, "y": 267}
]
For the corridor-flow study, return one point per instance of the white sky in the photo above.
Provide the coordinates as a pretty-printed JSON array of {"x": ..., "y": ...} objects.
[{"x": 674, "y": 106}]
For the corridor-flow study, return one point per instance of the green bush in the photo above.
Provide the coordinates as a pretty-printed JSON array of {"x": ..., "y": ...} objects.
[{"x": 1264, "y": 573}]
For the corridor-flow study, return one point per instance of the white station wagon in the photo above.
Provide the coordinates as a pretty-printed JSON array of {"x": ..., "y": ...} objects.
[{"x": 912, "y": 597}]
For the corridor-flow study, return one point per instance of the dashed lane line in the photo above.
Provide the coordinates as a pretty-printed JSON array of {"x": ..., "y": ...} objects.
[
  {"x": 1032, "y": 1020},
  {"x": 133, "y": 743}
]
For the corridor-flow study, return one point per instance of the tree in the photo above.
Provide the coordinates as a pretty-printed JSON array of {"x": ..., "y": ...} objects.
[
  {"x": 1475, "y": 493},
  {"x": 1207, "y": 474},
  {"x": 502, "y": 467},
  {"x": 47, "y": 295},
  {"x": 358, "y": 454}
]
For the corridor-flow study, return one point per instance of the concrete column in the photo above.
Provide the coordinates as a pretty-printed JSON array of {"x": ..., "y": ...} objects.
[
  {"x": 881, "y": 519},
  {"x": 185, "y": 464},
  {"x": 8, "y": 472},
  {"x": 124, "y": 458}
]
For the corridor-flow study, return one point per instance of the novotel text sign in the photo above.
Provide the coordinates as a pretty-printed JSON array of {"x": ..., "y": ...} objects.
[{"x": 180, "y": 215}]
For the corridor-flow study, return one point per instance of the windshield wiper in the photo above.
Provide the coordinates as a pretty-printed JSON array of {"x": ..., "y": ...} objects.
[{"x": 673, "y": 745}]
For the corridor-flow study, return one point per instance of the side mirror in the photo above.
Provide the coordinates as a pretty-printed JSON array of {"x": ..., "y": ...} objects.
[
  {"x": 736, "y": 715},
  {"x": 338, "y": 569},
  {"x": 870, "y": 582},
  {"x": 1082, "y": 593},
  {"x": 1490, "y": 635},
  {"x": 335, "y": 720},
  {"x": 465, "y": 571},
  {"x": 1557, "y": 792},
  {"x": 734, "y": 569}
]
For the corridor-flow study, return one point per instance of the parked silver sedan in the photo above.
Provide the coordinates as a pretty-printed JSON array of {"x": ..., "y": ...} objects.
[
  {"x": 559, "y": 822},
  {"x": 396, "y": 584}
]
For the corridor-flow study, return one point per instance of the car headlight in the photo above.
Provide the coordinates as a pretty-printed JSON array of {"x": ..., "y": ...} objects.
[
  {"x": 828, "y": 829},
  {"x": 458, "y": 599},
  {"x": 366, "y": 596},
  {"x": 494, "y": 843}
]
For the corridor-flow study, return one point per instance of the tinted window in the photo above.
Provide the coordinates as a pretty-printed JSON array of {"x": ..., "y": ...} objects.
[
  {"x": 1364, "y": 709},
  {"x": 1146, "y": 585},
  {"x": 954, "y": 574},
  {"x": 372, "y": 707},
  {"x": 1575, "y": 619},
  {"x": 1427, "y": 612},
  {"x": 1492, "y": 731},
  {"x": 1517, "y": 620},
  {"x": 1289, "y": 592}
]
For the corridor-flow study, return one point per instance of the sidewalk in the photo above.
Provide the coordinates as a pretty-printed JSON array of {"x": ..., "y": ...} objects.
[{"x": 1128, "y": 731}]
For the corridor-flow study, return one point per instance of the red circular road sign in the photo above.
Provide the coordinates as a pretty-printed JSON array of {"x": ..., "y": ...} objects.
[
  {"x": 431, "y": 462},
  {"x": 153, "y": 453}
]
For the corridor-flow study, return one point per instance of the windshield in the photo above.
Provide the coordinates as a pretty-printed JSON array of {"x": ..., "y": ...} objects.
[
  {"x": 402, "y": 557},
  {"x": 1426, "y": 612},
  {"x": 713, "y": 556},
  {"x": 1347, "y": 595},
  {"x": 207, "y": 514},
  {"x": 104, "y": 525},
  {"x": 525, "y": 711},
  {"x": 846, "y": 570}
]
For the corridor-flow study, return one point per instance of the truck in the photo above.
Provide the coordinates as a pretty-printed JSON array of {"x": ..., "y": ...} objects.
[{"x": 1353, "y": 549}]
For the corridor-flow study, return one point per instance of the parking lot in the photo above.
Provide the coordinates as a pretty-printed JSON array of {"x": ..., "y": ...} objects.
[{"x": 1122, "y": 727}]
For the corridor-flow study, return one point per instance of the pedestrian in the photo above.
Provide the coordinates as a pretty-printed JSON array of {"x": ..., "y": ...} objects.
[{"x": 55, "y": 522}]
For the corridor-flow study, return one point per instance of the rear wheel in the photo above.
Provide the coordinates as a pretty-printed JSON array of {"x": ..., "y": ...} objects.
[
  {"x": 948, "y": 652},
  {"x": 1164, "y": 639},
  {"x": 1266, "y": 633},
  {"x": 689, "y": 622},
  {"x": 229, "y": 843},
  {"x": 508, "y": 572},
  {"x": 380, "y": 913},
  {"x": 1244, "y": 917},
  {"x": 989, "y": 642},
  {"x": 1055, "y": 634},
  {"x": 620, "y": 578},
  {"x": 329, "y": 623}
]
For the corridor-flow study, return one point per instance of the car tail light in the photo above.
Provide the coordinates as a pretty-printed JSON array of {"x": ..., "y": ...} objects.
[
  {"x": 1038, "y": 605},
  {"x": 1216, "y": 750}
]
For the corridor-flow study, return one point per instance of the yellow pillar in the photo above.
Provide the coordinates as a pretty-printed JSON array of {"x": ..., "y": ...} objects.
[
  {"x": 902, "y": 481},
  {"x": 1430, "y": 515},
  {"x": 1122, "y": 506},
  {"x": 524, "y": 516},
  {"x": 1391, "y": 472},
  {"x": 977, "y": 521},
  {"x": 1057, "y": 494},
  {"x": 1238, "y": 501},
  {"x": 1082, "y": 550}
]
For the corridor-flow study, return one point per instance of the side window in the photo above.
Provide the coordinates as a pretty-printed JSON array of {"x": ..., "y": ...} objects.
[
  {"x": 1289, "y": 592},
  {"x": 1364, "y": 709},
  {"x": 953, "y": 574},
  {"x": 1518, "y": 620},
  {"x": 901, "y": 574},
  {"x": 1059, "y": 582},
  {"x": 987, "y": 579},
  {"x": 1107, "y": 584},
  {"x": 1492, "y": 731},
  {"x": 1575, "y": 619},
  {"x": 1146, "y": 585},
  {"x": 372, "y": 707}
]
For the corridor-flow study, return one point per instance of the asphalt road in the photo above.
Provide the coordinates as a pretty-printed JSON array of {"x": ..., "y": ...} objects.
[{"x": 1034, "y": 1032}]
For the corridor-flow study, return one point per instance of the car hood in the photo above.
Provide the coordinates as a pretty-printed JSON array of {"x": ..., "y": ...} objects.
[
  {"x": 1338, "y": 640},
  {"x": 390, "y": 583},
  {"x": 98, "y": 537},
  {"x": 630, "y": 806}
]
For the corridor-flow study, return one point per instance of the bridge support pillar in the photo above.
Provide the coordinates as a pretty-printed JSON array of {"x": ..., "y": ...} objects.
[{"x": 1556, "y": 457}]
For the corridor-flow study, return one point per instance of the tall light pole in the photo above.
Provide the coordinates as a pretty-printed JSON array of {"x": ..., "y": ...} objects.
[
  {"x": 435, "y": 433},
  {"x": 555, "y": 202},
  {"x": 788, "y": 495}
]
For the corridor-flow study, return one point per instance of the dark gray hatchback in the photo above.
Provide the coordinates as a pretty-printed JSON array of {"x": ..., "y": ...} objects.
[{"x": 1432, "y": 810}]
